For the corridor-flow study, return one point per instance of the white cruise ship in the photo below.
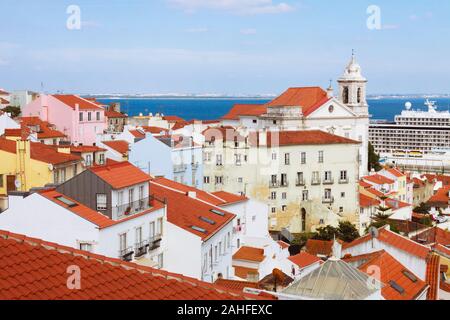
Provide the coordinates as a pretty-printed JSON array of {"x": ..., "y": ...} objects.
[{"x": 418, "y": 140}]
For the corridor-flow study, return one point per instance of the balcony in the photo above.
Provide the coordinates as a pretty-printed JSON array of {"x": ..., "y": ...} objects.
[
  {"x": 315, "y": 181},
  {"x": 274, "y": 184},
  {"x": 129, "y": 209},
  {"x": 328, "y": 199},
  {"x": 328, "y": 181},
  {"x": 300, "y": 182},
  {"x": 154, "y": 242},
  {"x": 140, "y": 249},
  {"x": 284, "y": 184},
  {"x": 343, "y": 181},
  {"x": 126, "y": 254},
  {"x": 195, "y": 165},
  {"x": 179, "y": 168}
]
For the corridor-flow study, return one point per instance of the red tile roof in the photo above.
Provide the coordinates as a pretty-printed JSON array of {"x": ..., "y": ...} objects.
[
  {"x": 366, "y": 202},
  {"x": 86, "y": 149},
  {"x": 283, "y": 244},
  {"x": 305, "y": 137},
  {"x": 137, "y": 133},
  {"x": 155, "y": 130},
  {"x": 396, "y": 172},
  {"x": 244, "y": 272},
  {"x": 33, "y": 269},
  {"x": 395, "y": 240},
  {"x": 173, "y": 119},
  {"x": 93, "y": 216},
  {"x": 120, "y": 175},
  {"x": 392, "y": 270},
  {"x": 3, "y": 101},
  {"x": 309, "y": 98},
  {"x": 46, "y": 130},
  {"x": 395, "y": 204},
  {"x": 441, "y": 197},
  {"x": 433, "y": 276},
  {"x": 364, "y": 184},
  {"x": 378, "y": 179},
  {"x": 40, "y": 152},
  {"x": 187, "y": 212},
  {"x": 120, "y": 146},
  {"x": 249, "y": 254},
  {"x": 236, "y": 284},
  {"x": 114, "y": 114},
  {"x": 375, "y": 192},
  {"x": 245, "y": 110},
  {"x": 319, "y": 247},
  {"x": 71, "y": 100},
  {"x": 304, "y": 259},
  {"x": 227, "y": 198},
  {"x": 3, "y": 92},
  {"x": 434, "y": 235},
  {"x": 14, "y": 133}
]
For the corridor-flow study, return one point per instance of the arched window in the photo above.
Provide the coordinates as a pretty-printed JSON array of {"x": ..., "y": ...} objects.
[
  {"x": 359, "y": 95},
  {"x": 345, "y": 95}
]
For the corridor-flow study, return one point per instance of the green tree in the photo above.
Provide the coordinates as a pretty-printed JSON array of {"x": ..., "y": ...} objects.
[
  {"x": 347, "y": 231},
  {"x": 326, "y": 233},
  {"x": 374, "y": 159},
  {"x": 423, "y": 208},
  {"x": 14, "y": 111}
]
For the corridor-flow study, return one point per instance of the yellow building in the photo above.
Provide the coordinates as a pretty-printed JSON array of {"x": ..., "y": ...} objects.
[{"x": 26, "y": 165}]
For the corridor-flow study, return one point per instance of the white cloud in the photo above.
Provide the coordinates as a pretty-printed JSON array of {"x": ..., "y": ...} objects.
[
  {"x": 244, "y": 7},
  {"x": 248, "y": 31}
]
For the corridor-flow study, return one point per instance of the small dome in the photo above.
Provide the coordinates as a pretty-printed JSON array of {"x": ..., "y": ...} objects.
[{"x": 353, "y": 71}]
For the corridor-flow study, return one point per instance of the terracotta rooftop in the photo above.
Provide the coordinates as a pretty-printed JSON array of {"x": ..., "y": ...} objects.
[
  {"x": 394, "y": 240},
  {"x": 309, "y": 98},
  {"x": 434, "y": 235},
  {"x": 441, "y": 197},
  {"x": 3, "y": 101},
  {"x": 366, "y": 202},
  {"x": 304, "y": 259},
  {"x": 120, "y": 146},
  {"x": 283, "y": 244},
  {"x": 33, "y": 269},
  {"x": 319, "y": 247},
  {"x": 86, "y": 149},
  {"x": 394, "y": 276},
  {"x": 245, "y": 110},
  {"x": 304, "y": 137},
  {"x": 154, "y": 130},
  {"x": 120, "y": 175},
  {"x": 3, "y": 92},
  {"x": 191, "y": 214},
  {"x": 378, "y": 179},
  {"x": 114, "y": 114},
  {"x": 40, "y": 152},
  {"x": 236, "y": 284},
  {"x": 249, "y": 254},
  {"x": 375, "y": 192},
  {"x": 227, "y": 198},
  {"x": 137, "y": 133},
  {"x": 244, "y": 272},
  {"x": 433, "y": 276},
  {"x": 71, "y": 100},
  {"x": 396, "y": 172},
  {"x": 45, "y": 129}
]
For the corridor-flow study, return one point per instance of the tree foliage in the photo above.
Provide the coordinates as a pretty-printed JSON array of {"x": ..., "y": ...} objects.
[
  {"x": 346, "y": 231},
  {"x": 374, "y": 159},
  {"x": 14, "y": 111}
]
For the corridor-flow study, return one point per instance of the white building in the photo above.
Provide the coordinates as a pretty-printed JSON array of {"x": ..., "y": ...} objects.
[
  {"x": 310, "y": 108},
  {"x": 6, "y": 122},
  {"x": 21, "y": 98},
  {"x": 307, "y": 178},
  {"x": 58, "y": 218}
]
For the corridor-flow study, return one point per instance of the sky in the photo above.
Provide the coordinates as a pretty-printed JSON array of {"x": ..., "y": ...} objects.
[{"x": 222, "y": 46}]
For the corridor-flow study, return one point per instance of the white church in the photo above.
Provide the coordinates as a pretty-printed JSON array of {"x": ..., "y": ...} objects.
[{"x": 309, "y": 108}]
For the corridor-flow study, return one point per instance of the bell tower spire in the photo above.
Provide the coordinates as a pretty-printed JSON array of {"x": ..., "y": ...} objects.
[{"x": 352, "y": 87}]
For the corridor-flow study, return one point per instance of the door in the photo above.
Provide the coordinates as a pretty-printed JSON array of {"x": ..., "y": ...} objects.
[{"x": 10, "y": 183}]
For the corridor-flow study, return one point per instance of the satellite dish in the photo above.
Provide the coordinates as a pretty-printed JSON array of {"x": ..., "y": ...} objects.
[
  {"x": 373, "y": 232},
  {"x": 17, "y": 183},
  {"x": 408, "y": 105}
]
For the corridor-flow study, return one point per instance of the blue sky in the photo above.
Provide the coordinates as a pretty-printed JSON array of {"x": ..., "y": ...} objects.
[{"x": 222, "y": 46}]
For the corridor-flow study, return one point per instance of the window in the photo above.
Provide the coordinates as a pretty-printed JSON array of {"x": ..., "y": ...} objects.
[
  {"x": 283, "y": 208},
  {"x": 75, "y": 169},
  {"x": 206, "y": 179},
  {"x": 240, "y": 180},
  {"x": 63, "y": 175},
  {"x": 303, "y": 157},
  {"x": 320, "y": 156},
  {"x": 101, "y": 202},
  {"x": 274, "y": 156},
  {"x": 286, "y": 159},
  {"x": 284, "y": 195},
  {"x": 97, "y": 116},
  {"x": 238, "y": 159},
  {"x": 81, "y": 116},
  {"x": 131, "y": 196},
  {"x": 327, "y": 176},
  {"x": 274, "y": 210},
  {"x": 138, "y": 235},
  {"x": 273, "y": 195},
  {"x": 219, "y": 179},
  {"x": 284, "y": 181},
  {"x": 88, "y": 160},
  {"x": 315, "y": 177},
  {"x": 300, "y": 180},
  {"x": 327, "y": 194},
  {"x": 220, "y": 248},
  {"x": 216, "y": 256},
  {"x": 321, "y": 221},
  {"x": 341, "y": 209},
  {"x": 207, "y": 156},
  {"x": 84, "y": 246},
  {"x": 152, "y": 230},
  {"x": 55, "y": 141},
  {"x": 342, "y": 194},
  {"x": 141, "y": 192},
  {"x": 343, "y": 175},
  {"x": 345, "y": 95},
  {"x": 255, "y": 121},
  {"x": 159, "y": 227},
  {"x": 89, "y": 116},
  {"x": 219, "y": 160},
  {"x": 160, "y": 261},
  {"x": 56, "y": 176},
  {"x": 120, "y": 198},
  {"x": 229, "y": 240},
  {"x": 102, "y": 158},
  {"x": 123, "y": 241}
]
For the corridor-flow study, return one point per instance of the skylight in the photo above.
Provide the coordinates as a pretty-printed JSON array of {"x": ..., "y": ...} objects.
[
  {"x": 66, "y": 201},
  {"x": 217, "y": 212},
  {"x": 396, "y": 287},
  {"x": 207, "y": 220},
  {"x": 199, "y": 229},
  {"x": 409, "y": 275}
]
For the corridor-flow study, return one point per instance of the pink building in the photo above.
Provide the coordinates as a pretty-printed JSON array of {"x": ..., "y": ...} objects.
[{"x": 80, "y": 119}]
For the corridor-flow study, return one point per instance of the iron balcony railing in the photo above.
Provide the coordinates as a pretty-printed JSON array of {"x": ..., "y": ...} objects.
[
  {"x": 129, "y": 209},
  {"x": 315, "y": 181},
  {"x": 126, "y": 254},
  {"x": 328, "y": 199},
  {"x": 328, "y": 181},
  {"x": 300, "y": 182},
  {"x": 274, "y": 184},
  {"x": 343, "y": 181}
]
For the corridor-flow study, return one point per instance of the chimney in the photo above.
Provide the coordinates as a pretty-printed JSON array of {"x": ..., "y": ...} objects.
[{"x": 192, "y": 194}]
